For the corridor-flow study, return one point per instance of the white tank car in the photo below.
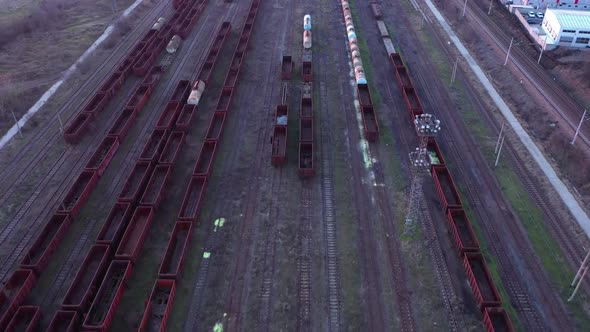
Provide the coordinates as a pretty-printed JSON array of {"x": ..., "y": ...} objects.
[
  {"x": 173, "y": 44},
  {"x": 359, "y": 72},
  {"x": 159, "y": 23},
  {"x": 196, "y": 93},
  {"x": 306, "y": 39},
  {"x": 307, "y": 22}
]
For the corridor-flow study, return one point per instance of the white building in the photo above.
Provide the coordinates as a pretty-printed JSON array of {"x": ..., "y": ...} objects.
[
  {"x": 559, "y": 4},
  {"x": 567, "y": 27}
]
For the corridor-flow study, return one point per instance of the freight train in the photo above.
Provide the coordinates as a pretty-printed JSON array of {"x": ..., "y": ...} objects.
[
  {"x": 359, "y": 72},
  {"x": 484, "y": 290}
]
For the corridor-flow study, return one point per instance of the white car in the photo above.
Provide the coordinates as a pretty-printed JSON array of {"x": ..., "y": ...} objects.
[
  {"x": 540, "y": 15},
  {"x": 532, "y": 14}
]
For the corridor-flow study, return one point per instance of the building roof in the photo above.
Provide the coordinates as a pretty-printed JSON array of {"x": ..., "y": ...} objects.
[{"x": 572, "y": 19}]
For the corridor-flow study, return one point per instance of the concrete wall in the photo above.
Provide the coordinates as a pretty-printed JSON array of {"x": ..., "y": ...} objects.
[{"x": 539, "y": 38}]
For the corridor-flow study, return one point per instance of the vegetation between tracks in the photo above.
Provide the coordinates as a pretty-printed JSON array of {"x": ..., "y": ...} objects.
[
  {"x": 531, "y": 217},
  {"x": 346, "y": 240},
  {"x": 388, "y": 288},
  {"x": 203, "y": 232},
  {"x": 423, "y": 280},
  {"x": 444, "y": 72},
  {"x": 347, "y": 236},
  {"x": 492, "y": 264},
  {"x": 185, "y": 287}
]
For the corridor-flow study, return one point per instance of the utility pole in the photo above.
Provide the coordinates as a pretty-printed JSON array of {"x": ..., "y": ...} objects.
[
  {"x": 508, "y": 53},
  {"x": 577, "y": 130},
  {"x": 579, "y": 276},
  {"x": 464, "y": 8},
  {"x": 499, "y": 144},
  {"x": 499, "y": 151},
  {"x": 17, "y": 125},
  {"x": 499, "y": 138},
  {"x": 61, "y": 124},
  {"x": 454, "y": 71},
  {"x": 542, "y": 48},
  {"x": 490, "y": 10}
]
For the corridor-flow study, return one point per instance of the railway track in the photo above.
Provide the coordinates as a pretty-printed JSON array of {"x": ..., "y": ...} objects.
[
  {"x": 372, "y": 274},
  {"x": 441, "y": 271},
  {"x": 529, "y": 314},
  {"x": 304, "y": 319},
  {"x": 262, "y": 172},
  {"x": 371, "y": 268},
  {"x": 562, "y": 103},
  {"x": 14, "y": 226},
  {"x": 53, "y": 190},
  {"x": 13, "y": 175},
  {"x": 505, "y": 238},
  {"x": 394, "y": 259},
  {"x": 69, "y": 266},
  {"x": 214, "y": 239},
  {"x": 13, "y": 257},
  {"x": 269, "y": 231},
  {"x": 11, "y": 253},
  {"x": 402, "y": 294},
  {"x": 331, "y": 256},
  {"x": 306, "y": 208},
  {"x": 277, "y": 191},
  {"x": 573, "y": 253},
  {"x": 403, "y": 298},
  {"x": 232, "y": 317}
]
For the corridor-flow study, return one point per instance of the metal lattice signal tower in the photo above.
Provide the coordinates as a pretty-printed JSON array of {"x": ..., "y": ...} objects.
[{"x": 426, "y": 126}]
